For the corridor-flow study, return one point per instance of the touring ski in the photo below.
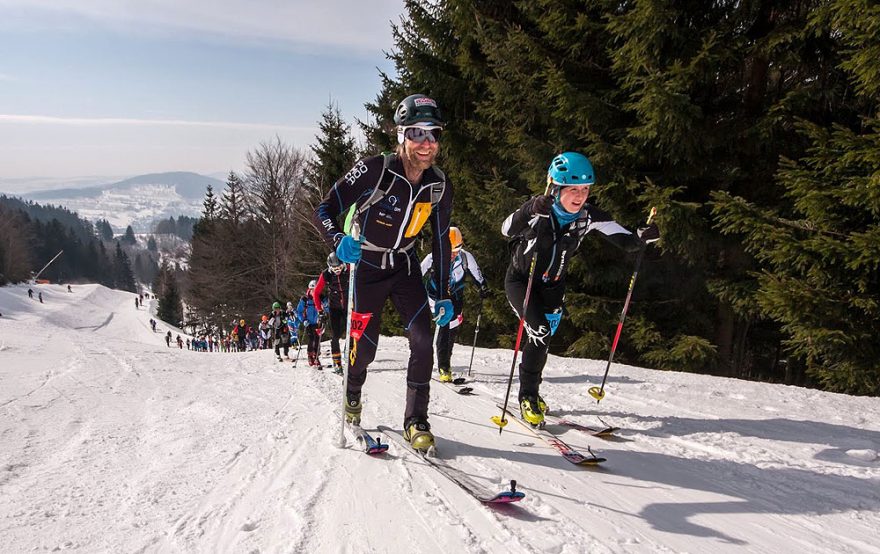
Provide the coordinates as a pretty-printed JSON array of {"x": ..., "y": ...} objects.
[
  {"x": 600, "y": 432},
  {"x": 551, "y": 439},
  {"x": 456, "y": 385},
  {"x": 457, "y": 476},
  {"x": 369, "y": 444}
]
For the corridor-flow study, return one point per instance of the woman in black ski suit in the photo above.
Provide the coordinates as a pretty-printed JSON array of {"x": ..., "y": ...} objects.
[
  {"x": 551, "y": 228},
  {"x": 393, "y": 197}
]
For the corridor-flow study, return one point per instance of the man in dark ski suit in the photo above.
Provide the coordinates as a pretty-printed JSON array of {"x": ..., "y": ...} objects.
[
  {"x": 335, "y": 280},
  {"x": 394, "y": 196}
]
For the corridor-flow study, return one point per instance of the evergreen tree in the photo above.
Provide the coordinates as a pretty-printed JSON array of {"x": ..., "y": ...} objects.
[
  {"x": 170, "y": 307},
  {"x": 15, "y": 263},
  {"x": 104, "y": 230},
  {"x": 151, "y": 244},
  {"x": 209, "y": 204},
  {"x": 128, "y": 237},
  {"x": 334, "y": 153},
  {"x": 123, "y": 278},
  {"x": 166, "y": 227},
  {"x": 819, "y": 248},
  {"x": 234, "y": 207}
]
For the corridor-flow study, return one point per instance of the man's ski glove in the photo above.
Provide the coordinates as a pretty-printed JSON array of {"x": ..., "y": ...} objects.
[
  {"x": 649, "y": 233},
  {"x": 349, "y": 250},
  {"x": 443, "y": 312},
  {"x": 541, "y": 205},
  {"x": 484, "y": 292}
]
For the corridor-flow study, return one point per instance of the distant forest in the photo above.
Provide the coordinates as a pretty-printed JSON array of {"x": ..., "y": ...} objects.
[{"x": 32, "y": 234}]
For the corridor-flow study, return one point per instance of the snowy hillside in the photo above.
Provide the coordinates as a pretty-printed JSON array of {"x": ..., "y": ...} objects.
[
  {"x": 138, "y": 201},
  {"x": 112, "y": 442}
]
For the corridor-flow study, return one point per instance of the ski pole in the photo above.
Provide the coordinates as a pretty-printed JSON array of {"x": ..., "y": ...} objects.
[
  {"x": 436, "y": 348},
  {"x": 599, "y": 392},
  {"x": 298, "y": 348},
  {"x": 476, "y": 332},
  {"x": 355, "y": 234},
  {"x": 501, "y": 420}
]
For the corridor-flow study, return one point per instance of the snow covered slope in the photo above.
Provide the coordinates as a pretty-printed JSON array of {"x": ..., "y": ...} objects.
[{"x": 112, "y": 442}]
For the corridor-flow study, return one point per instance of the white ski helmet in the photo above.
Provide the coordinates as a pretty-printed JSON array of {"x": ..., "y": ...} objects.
[
  {"x": 312, "y": 284},
  {"x": 290, "y": 305}
]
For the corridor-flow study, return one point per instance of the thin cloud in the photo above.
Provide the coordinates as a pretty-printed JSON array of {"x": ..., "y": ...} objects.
[
  {"x": 7, "y": 77},
  {"x": 120, "y": 121},
  {"x": 356, "y": 24}
]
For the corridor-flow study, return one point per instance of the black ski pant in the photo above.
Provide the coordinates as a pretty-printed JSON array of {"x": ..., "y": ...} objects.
[
  {"x": 337, "y": 329},
  {"x": 282, "y": 343},
  {"x": 402, "y": 284},
  {"x": 536, "y": 334},
  {"x": 314, "y": 344},
  {"x": 446, "y": 336}
]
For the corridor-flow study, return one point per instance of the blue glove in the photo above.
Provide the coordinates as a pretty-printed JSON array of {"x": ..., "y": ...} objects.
[
  {"x": 443, "y": 312},
  {"x": 349, "y": 250}
]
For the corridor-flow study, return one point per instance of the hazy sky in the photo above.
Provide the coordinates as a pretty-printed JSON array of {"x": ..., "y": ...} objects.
[{"x": 124, "y": 87}]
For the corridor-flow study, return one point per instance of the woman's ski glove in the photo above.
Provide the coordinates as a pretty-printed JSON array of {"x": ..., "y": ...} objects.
[
  {"x": 541, "y": 205},
  {"x": 349, "y": 250},
  {"x": 443, "y": 312},
  {"x": 484, "y": 292},
  {"x": 649, "y": 233}
]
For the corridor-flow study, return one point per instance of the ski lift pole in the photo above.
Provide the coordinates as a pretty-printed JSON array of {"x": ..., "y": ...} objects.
[
  {"x": 599, "y": 392},
  {"x": 355, "y": 234}
]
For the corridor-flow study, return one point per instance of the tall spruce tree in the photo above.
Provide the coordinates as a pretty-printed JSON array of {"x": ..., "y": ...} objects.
[
  {"x": 123, "y": 277},
  {"x": 170, "y": 307},
  {"x": 333, "y": 155},
  {"x": 104, "y": 230},
  {"x": 209, "y": 204},
  {"x": 128, "y": 237},
  {"x": 819, "y": 246}
]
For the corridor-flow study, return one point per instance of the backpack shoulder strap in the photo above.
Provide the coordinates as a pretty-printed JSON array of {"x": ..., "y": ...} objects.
[
  {"x": 437, "y": 189},
  {"x": 379, "y": 191}
]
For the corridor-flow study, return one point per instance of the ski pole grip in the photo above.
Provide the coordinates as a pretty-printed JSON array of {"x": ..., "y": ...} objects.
[
  {"x": 355, "y": 230},
  {"x": 651, "y": 214}
]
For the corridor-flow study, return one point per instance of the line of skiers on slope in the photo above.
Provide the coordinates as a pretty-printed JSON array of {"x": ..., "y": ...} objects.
[
  {"x": 391, "y": 197},
  {"x": 281, "y": 327}
]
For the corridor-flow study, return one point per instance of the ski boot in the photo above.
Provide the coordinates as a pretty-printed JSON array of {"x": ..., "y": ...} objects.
[
  {"x": 543, "y": 406},
  {"x": 445, "y": 375},
  {"x": 417, "y": 431},
  {"x": 531, "y": 412},
  {"x": 337, "y": 368},
  {"x": 353, "y": 408}
]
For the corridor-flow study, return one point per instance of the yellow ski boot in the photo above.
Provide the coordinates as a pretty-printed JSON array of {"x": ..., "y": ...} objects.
[
  {"x": 531, "y": 412},
  {"x": 418, "y": 432}
]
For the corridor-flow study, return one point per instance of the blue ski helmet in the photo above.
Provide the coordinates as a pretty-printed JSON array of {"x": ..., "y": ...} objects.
[{"x": 569, "y": 169}]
